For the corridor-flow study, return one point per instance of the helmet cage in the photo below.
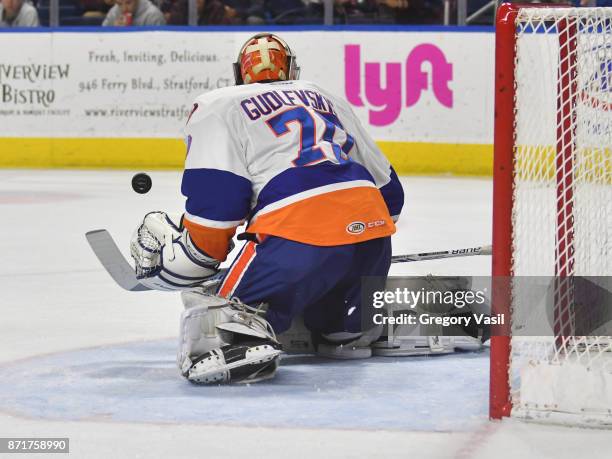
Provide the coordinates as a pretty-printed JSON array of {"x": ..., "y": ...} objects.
[{"x": 293, "y": 71}]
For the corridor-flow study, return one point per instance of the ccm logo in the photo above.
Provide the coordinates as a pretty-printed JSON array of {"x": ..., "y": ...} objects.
[{"x": 360, "y": 227}]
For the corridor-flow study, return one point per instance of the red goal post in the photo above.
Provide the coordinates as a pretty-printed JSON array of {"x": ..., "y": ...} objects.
[{"x": 549, "y": 159}]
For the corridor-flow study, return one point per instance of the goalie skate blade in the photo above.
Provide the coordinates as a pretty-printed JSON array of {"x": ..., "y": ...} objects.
[
  {"x": 113, "y": 261},
  {"x": 403, "y": 352},
  {"x": 213, "y": 369},
  {"x": 341, "y": 352},
  {"x": 467, "y": 343}
]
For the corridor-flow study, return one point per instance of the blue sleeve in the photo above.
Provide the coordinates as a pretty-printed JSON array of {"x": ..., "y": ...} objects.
[
  {"x": 393, "y": 194},
  {"x": 219, "y": 198}
]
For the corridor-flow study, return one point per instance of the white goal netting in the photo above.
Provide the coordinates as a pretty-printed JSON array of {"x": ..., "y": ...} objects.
[{"x": 562, "y": 215}]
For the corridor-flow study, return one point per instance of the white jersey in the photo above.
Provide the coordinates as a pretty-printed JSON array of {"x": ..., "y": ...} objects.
[{"x": 293, "y": 160}]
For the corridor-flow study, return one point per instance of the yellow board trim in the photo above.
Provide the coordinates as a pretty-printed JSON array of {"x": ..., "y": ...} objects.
[
  {"x": 420, "y": 158},
  {"x": 408, "y": 158},
  {"x": 115, "y": 153}
]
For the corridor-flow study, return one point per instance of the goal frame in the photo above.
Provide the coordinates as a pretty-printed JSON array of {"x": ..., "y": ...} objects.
[{"x": 500, "y": 402}]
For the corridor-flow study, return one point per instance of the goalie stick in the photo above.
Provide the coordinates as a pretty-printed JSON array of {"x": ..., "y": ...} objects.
[
  {"x": 115, "y": 264},
  {"x": 121, "y": 271},
  {"x": 483, "y": 250},
  {"x": 113, "y": 260}
]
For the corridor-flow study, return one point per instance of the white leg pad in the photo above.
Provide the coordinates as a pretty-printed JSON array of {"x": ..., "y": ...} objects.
[
  {"x": 221, "y": 342},
  {"x": 198, "y": 332}
]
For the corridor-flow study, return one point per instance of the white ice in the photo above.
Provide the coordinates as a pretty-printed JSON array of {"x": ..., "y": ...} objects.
[{"x": 81, "y": 358}]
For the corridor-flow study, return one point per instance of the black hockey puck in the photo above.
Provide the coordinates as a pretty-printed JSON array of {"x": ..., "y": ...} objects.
[{"x": 141, "y": 183}]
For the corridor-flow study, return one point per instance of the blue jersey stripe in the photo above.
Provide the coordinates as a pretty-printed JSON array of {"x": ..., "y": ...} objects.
[
  {"x": 393, "y": 194},
  {"x": 216, "y": 195},
  {"x": 299, "y": 179}
]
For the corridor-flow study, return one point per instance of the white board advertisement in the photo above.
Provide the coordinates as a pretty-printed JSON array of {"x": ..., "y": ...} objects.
[{"x": 405, "y": 86}]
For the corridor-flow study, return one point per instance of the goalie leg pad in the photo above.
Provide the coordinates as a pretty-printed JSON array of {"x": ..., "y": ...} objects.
[
  {"x": 224, "y": 341},
  {"x": 409, "y": 340},
  {"x": 237, "y": 363},
  {"x": 198, "y": 332}
]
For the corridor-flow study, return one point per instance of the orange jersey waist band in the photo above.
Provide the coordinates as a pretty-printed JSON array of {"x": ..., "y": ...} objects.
[{"x": 335, "y": 218}]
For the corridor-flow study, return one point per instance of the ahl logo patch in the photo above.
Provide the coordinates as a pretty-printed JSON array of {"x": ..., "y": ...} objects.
[{"x": 355, "y": 228}]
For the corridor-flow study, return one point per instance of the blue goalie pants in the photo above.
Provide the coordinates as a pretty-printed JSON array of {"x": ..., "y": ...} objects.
[{"x": 321, "y": 283}]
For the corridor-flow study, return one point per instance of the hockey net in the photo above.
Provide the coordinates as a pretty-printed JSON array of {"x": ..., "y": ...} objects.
[{"x": 553, "y": 213}]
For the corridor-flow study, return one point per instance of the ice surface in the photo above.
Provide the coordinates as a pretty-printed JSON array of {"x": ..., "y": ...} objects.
[
  {"x": 139, "y": 382},
  {"x": 81, "y": 358}
]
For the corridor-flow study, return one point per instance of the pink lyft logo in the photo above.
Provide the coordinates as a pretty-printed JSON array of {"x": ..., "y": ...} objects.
[{"x": 389, "y": 96}]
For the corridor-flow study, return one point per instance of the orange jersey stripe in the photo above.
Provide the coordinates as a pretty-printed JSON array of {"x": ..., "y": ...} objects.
[
  {"x": 213, "y": 241},
  {"x": 237, "y": 270},
  {"x": 335, "y": 218}
]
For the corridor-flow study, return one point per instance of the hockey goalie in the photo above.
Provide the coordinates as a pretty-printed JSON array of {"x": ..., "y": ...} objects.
[{"x": 319, "y": 200}]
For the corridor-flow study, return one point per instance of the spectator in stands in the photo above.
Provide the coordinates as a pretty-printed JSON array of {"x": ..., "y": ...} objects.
[
  {"x": 134, "y": 13},
  {"x": 210, "y": 12},
  {"x": 289, "y": 11},
  {"x": 250, "y": 12},
  {"x": 18, "y": 13},
  {"x": 414, "y": 11},
  {"x": 215, "y": 12},
  {"x": 378, "y": 11},
  {"x": 94, "y": 8},
  {"x": 175, "y": 11},
  {"x": 353, "y": 11}
]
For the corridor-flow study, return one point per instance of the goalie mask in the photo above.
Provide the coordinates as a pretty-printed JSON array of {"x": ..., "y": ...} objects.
[{"x": 265, "y": 57}]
